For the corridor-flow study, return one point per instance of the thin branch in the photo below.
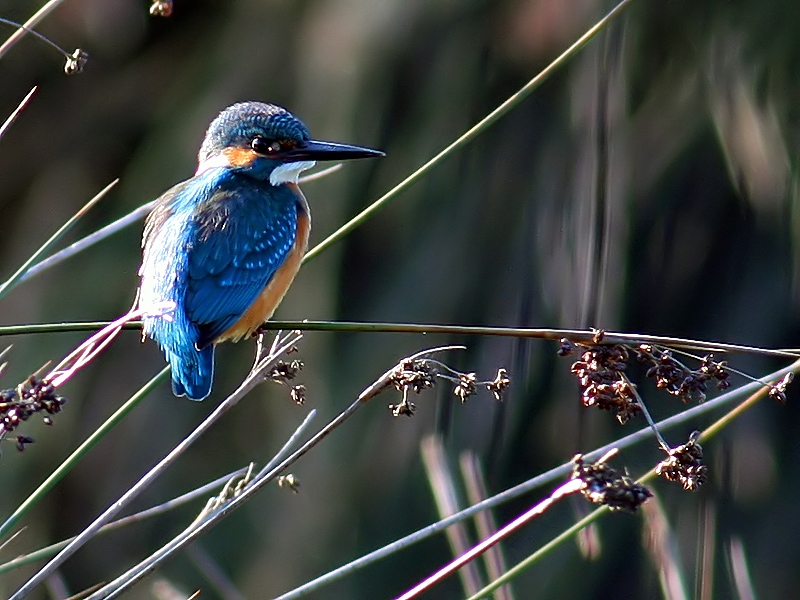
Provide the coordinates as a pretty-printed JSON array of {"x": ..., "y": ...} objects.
[
  {"x": 162, "y": 508},
  {"x": 313, "y": 176},
  {"x": 80, "y": 451},
  {"x": 15, "y": 278},
  {"x": 286, "y": 447},
  {"x": 28, "y": 26},
  {"x": 728, "y": 368},
  {"x": 120, "y": 224},
  {"x": 13, "y": 116},
  {"x": 249, "y": 383},
  {"x": 533, "y": 483},
  {"x": 640, "y": 401},
  {"x": 570, "y": 487},
  {"x": 11, "y": 539},
  {"x": 90, "y": 240},
  {"x": 476, "y": 489},
  {"x": 89, "y": 349},
  {"x": 575, "y": 335},
  {"x": 758, "y": 393},
  {"x": 440, "y": 479},
  {"x": 472, "y": 132},
  {"x": 217, "y": 513},
  {"x": 37, "y": 35}
]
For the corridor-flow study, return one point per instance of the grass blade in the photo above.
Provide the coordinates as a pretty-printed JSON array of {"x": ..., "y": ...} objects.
[
  {"x": 13, "y": 116},
  {"x": 29, "y": 24},
  {"x": 473, "y": 132},
  {"x": 80, "y": 452},
  {"x": 17, "y": 277}
]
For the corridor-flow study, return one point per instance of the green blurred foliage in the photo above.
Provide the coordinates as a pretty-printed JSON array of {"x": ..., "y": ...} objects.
[{"x": 687, "y": 110}]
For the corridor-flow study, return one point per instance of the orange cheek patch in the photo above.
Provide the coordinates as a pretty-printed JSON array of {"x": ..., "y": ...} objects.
[{"x": 240, "y": 157}]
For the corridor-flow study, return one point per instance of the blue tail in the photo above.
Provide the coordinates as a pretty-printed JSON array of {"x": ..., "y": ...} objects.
[
  {"x": 192, "y": 369},
  {"x": 192, "y": 372}
]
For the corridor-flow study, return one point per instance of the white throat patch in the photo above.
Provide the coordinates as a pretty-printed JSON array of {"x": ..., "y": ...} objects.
[{"x": 289, "y": 172}]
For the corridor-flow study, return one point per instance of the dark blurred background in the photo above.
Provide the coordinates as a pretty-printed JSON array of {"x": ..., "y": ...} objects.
[{"x": 666, "y": 150}]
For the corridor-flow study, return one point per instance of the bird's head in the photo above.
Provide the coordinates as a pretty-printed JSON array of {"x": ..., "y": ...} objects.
[{"x": 268, "y": 142}]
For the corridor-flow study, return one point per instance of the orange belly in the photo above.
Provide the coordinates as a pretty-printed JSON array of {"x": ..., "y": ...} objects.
[{"x": 276, "y": 289}]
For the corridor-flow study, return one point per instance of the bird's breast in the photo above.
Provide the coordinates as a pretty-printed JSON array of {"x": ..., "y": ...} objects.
[{"x": 269, "y": 299}]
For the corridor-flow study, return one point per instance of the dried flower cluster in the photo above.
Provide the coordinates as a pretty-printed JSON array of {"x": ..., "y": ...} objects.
[
  {"x": 76, "y": 62},
  {"x": 601, "y": 368},
  {"x": 161, "y": 8},
  {"x": 410, "y": 375},
  {"x": 417, "y": 374},
  {"x": 778, "y": 391},
  {"x": 233, "y": 488},
  {"x": 30, "y": 397},
  {"x": 675, "y": 378},
  {"x": 685, "y": 464},
  {"x": 289, "y": 482},
  {"x": 283, "y": 373},
  {"x": 466, "y": 386},
  {"x": 499, "y": 384},
  {"x": 603, "y": 485},
  {"x": 600, "y": 371}
]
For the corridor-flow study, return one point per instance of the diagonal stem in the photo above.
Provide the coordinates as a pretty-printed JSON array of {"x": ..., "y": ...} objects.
[
  {"x": 13, "y": 116},
  {"x": 473, "y": 132},
  {"x": 80, "y": 452},
  {"x": 250, "y": 382},
  {"x": 29, "y": 25},
  {"x": 17, "y": 276}
]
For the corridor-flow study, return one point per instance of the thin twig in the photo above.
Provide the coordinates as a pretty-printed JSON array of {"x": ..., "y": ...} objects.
[
  {"x": 250, "y": 382},
  {"x": 209, "y": 520},
  {"x": 89, "y": 349},
  {"x": 287, "y": 446},
  {"x": 15, "y": 278},
  {"x": 320, "y": 174},
  {"x": 728, "y": 368},
  {"x": 632, "y": 387},
  {"x": 473, "y": 132},
  {"x": 10, "y": 539},
  {"x": 587, "y": 336},
  {"x": 89, "y": 240},
  {"x": 440, "y": 479},
  {"x": 28, "y": 26},
  {"x": 570, "y": 487},
  {"x": 119, "y": 523},
  {"x": 526, "y": 486},
  {"x": 120, "y": 224},
  {"x": 37, "y": 35},
  {"x": 66, "y": 466},
  {"x": 472, "y": 473},
  {"x": 758, "y": 393},
  {"x": 13, "y": 116},
  {"x": 217, "y": 513},
  {"x": 576, "y": 335}
]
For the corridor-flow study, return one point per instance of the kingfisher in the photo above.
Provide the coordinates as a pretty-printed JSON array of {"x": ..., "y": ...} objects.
[{"x": 224, "y": 246}]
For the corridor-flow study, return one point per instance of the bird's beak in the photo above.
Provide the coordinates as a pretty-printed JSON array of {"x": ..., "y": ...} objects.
[{"x": 318, "y": 150}]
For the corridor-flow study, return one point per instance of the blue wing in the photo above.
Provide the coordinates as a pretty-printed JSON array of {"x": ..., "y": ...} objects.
[
  {"x": 211, "y": 245},
  {"x": 241, "y": 234},
  {"x": 163, "y": 274}
]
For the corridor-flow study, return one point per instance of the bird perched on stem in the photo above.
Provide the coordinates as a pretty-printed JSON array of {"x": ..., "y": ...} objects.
[{"x": 225, "y": 245}]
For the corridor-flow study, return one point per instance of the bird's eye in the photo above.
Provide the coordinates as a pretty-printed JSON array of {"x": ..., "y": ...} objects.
[{"x": 262, "y": 146}]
